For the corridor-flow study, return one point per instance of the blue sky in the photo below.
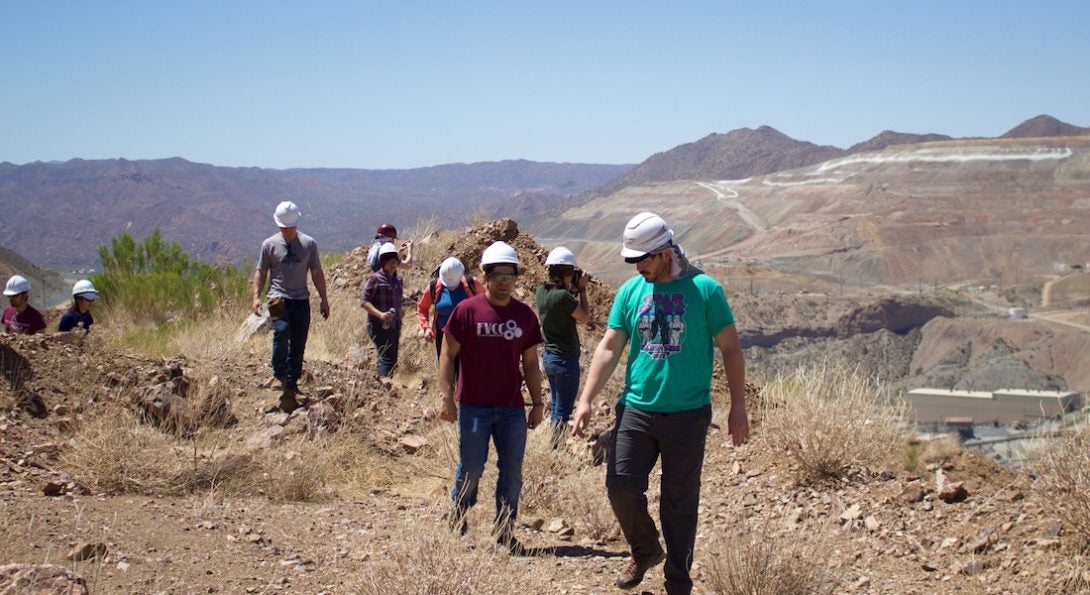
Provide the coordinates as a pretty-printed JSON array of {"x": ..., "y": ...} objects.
[{"x": 408, "y": 84}]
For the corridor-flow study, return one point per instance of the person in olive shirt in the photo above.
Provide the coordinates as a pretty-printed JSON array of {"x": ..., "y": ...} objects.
[{"x": 561, "y": 302}]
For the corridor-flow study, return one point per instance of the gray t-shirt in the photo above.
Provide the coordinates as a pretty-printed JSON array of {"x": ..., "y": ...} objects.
[{"x": 288, "y": 265}]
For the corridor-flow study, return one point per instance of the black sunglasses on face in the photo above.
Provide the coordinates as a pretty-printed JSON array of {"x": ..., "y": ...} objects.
[{"x": 635, "y": 259}]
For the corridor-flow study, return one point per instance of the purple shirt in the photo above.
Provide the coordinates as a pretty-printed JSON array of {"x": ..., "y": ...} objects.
[
  {"x": 492, "y": 340},
  {"x": 384, "y": 292}
]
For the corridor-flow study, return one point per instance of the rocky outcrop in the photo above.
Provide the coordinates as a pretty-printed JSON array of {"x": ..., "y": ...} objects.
[{"x": 892, "y": 314}]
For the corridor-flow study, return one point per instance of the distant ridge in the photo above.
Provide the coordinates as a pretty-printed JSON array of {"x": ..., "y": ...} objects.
[
  {"x": 745, "y": 152},
  {"x": 1043, "y": 126},
  {"x": 67, "y": 210},
  {"x": 740, "y": 153},
  {"x": 888, "y": 138}
]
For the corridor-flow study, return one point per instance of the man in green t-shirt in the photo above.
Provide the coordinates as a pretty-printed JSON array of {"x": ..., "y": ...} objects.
[{"x": 672, "y": 317}]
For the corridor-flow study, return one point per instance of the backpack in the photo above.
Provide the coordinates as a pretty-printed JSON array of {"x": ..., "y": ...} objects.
[{"x": 434, "y": 284}]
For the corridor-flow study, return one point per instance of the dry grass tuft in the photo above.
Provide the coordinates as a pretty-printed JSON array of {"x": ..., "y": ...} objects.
[
  {"x": 119, "y": 455},
  {"x": 544, "y": 471},
  {"x": 761, "y": 562},
  {"x": 583, "y": 500},
  {"x": 830, "y": 420},
  {"x": 428, "y": 560},
  {"x": 1064, "y": 485},
  {"x": 920, "y": 453}
]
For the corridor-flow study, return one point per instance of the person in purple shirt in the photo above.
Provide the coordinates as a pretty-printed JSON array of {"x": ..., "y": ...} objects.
[
  {"x": 381, "y": 300},
  {"x": 20, "y": 318},
  {"x": 497, "y": 338}
]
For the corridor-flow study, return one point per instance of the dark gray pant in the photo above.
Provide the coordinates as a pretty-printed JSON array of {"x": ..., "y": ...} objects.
[{"x": 639, "y": 438}]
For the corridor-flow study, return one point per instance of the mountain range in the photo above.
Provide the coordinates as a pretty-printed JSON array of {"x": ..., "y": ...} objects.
[{"x": 66, "y": 210}]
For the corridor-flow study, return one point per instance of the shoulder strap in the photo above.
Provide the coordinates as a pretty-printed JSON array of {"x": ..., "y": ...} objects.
[{"x": 471, "y": 285}]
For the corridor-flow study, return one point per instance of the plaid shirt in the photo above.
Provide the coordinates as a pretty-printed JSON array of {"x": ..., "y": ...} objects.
[{"x": 384, "y": 292}]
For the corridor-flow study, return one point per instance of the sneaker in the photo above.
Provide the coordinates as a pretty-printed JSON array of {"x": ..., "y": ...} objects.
[{"x": 633, "y": 572}]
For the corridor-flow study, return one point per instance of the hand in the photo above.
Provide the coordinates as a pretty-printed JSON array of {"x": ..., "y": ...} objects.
[
  {"x": 580, "y": 419},
  {"x": 429, "y": 334},
  {"x": 449, "y": 410},
  {"x": 323, "y": 307},
  {"x": 256, "y": 307},
  {"x": 537, "y": 413},
  {"x": 387, "y": 316},
  {"x": 584, "y": 279},
  {"x": 738, "y": 425}
]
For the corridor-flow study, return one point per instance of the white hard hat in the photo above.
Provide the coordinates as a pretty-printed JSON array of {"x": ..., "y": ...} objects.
[
  {"x": 387, "y": 248},
  {"x": 499, "y": 253},
  {"x": 85, "y": 289},
  {"x": 560, "y": 255},
  {"x": 644, "y": 234},
  {"x": 287, "y": 214},
  {"x": 451, "y": 271},
  {"x": 16, "y": 284}
]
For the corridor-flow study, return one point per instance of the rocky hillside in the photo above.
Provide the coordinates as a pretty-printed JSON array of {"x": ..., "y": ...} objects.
[
  {"x": 43, "y": 282},
  {"x": 1044, "y": 126},
  {"x": 1004, "y": 211},
  {"x": 737, "y": 154},
  {"x": 888, "y": 138}
]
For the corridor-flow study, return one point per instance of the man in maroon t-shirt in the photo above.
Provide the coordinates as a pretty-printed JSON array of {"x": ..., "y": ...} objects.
[
  {"x": 20, "y": 318},
  {"x": 493, "y": 333}
]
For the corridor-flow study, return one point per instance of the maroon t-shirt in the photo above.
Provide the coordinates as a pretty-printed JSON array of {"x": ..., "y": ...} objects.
[
  {"x": 492, "y": 340},
  {"x": 28, "y": 322}
]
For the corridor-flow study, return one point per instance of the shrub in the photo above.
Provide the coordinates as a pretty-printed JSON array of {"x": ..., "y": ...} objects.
[
  {"x": 429, "y": 560},
  {"x": 830, "y": 420},
  {"x": 117, "y": 454},
  {"x": 154, "y": 281},
  {"x": 763, "y": 563},
  {"x": 1064, "y": 484}
]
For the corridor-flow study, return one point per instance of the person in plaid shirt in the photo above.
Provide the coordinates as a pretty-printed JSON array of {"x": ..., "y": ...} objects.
[{"x": 382, "y": 300}]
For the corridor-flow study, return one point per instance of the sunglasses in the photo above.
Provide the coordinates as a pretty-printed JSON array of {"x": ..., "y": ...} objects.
[
  {"x": 635, "y": 259},
  {"x": 503, "y": 276}
]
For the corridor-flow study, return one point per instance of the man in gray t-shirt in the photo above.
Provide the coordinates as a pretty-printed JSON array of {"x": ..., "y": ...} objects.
[{"x": 286, "y": 258}]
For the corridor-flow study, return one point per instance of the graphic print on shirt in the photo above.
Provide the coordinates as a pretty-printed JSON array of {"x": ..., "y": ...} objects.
[
  {"x": 509, "y": 330},
  {"x": 660, "y": 322}
]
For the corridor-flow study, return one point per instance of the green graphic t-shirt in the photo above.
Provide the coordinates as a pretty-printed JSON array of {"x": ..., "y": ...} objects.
[{"x": 671, "y": 329}]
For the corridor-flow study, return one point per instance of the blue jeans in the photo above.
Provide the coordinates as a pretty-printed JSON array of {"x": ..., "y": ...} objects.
[
  {"x": 563, "y": 374},
  {"x": 386, "y": 343},
  {"x": 506, "y": 427},
  {"x": 290, "y": 341}
]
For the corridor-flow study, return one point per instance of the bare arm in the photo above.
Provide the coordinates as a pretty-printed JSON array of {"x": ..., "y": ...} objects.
[
  {"x": 318, "y": 275},
  {"x": 407, "y": 260},
  {"x": 606, "y": 356},
  {"x": 532, "y": 373},
  {"x": 448, "y": 411},
  {"x": 735, "y": 365},
  {"x": 258, "y": 284}
]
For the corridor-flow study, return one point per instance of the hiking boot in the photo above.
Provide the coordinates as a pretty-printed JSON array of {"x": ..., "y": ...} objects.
[
  {"x": 287, "y": 398},
  {"x": 634, "y": 570},
  {"x": 508, "y": 542}
]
